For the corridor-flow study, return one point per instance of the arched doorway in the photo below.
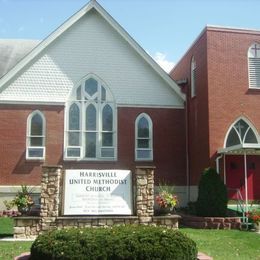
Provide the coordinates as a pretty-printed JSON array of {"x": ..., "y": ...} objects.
[{"x": 242, "y": 160}]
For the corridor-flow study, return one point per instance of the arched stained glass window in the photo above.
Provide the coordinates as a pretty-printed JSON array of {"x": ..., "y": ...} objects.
[
  {"x": 143, "y": 138},
  {"x": 107, "y": 130},
  {"x": 74, "y": 125},
  {"x": 91, "y": 118},
  {"x": 241, "y": 133},
  {"x": 35, "y": 136},
  {"x": 91, "y": 122},
  {"x": 74, "y": 117}
]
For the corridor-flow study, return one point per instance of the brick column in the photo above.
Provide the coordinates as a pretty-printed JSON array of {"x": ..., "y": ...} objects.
[
  {"x": 51, "y": 188},
  {"x": 144, "y": 193}
]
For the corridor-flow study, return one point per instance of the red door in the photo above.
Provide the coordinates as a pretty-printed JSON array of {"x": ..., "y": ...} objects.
[
  {"x": 235, "y": 176},
  {"x": 253, "y": 167}
]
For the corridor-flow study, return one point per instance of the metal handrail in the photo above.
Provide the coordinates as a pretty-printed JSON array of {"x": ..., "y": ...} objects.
[{"x": 241, "y": 204}]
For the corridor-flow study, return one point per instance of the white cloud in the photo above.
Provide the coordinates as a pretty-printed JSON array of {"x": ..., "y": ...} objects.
[{"x": 160, "y": 58}]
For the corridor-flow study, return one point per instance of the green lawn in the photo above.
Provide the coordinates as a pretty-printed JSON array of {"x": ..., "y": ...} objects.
[
  {"x": 226, "y": 244},
  {"x": 6, "y": 226},
  {"x": 8, "y": 250},
  {"x": 220, "y": 244}
]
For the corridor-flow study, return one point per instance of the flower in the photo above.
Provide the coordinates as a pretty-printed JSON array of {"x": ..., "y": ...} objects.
[
  {"x": 254, "y": 215},
  {"x": 166, "y": 198}
]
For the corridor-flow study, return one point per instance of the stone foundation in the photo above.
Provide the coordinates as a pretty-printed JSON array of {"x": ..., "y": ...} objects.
[{"x": 27, "y": 227}]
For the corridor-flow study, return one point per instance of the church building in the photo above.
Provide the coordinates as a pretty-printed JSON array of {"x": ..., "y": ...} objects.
[{"x": 89, "y": 97}]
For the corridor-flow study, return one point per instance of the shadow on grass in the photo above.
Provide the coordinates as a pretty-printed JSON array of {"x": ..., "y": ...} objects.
[{"x": 6, "y": 235}]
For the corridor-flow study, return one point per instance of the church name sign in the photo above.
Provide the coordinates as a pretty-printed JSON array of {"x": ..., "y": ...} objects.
[{"x": 97, "y": 192}]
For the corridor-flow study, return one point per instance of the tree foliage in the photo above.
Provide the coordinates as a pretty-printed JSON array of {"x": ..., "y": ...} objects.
[{"x": 212, "y": 199}]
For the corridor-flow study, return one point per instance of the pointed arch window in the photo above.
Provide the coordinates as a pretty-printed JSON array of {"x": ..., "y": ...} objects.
[
  {"x": 254, "y": 65},
  {"x": 35, "y": 141},
  {"x": 90, "y": 129},
  {"x": 241, "y": 133},
  {"x": 193, "y": 77},
  {"x": 143, "y": 138}
]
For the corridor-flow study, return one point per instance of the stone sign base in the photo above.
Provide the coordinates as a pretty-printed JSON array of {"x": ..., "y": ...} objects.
[
  {"x": 30, "y": 227},
  {"x": 52, "y": 202}
]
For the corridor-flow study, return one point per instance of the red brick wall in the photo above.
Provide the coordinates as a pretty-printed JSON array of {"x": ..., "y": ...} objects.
[
  {"x": 14, "y": 169},
  {"x": 229, "y": 93},
  {"x": 197, "y": 107},
  {"x": 168, "y": 132},
  {"x": 223, "y": 92}
]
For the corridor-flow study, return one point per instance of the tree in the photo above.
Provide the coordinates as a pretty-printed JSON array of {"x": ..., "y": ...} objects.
[{"x": 212, "y": 199}]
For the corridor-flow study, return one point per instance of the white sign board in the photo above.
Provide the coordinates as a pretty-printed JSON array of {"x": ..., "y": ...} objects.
[{"x": 98, "y": 192}]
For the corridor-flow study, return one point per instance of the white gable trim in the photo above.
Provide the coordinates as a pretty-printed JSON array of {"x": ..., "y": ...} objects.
[
  {"x": 91, "y": 5},
  {"x": 149, "y": 106},
  {"x": 19, "y": 102}
]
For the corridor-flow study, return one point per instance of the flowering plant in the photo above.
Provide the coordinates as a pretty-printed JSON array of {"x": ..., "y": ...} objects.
[
  {"x": 23, "y": 198},
  {"x": 254, "y": 215},
  {"x": 166, "y": 198}
]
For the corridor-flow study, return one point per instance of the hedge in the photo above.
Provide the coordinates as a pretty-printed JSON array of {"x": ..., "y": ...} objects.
[{"x": 123, "y": 242}]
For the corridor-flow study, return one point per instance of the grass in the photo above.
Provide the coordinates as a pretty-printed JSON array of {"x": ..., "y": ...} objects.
[
  {"x": 6, "y": 227},
  {"x": 8, "y": 250},
  {"x": 226, "y": 244},
  {"x": 220, "y": 244}
]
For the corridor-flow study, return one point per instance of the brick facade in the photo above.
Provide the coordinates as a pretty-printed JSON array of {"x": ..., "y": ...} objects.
[
  {"x": 223, "y": 93},
  {"x": 14, "y": 168},
  {"x": 185, "y": 141},
  {"x": 169, "y": 152},
  {"x": 197, "y": 107}
]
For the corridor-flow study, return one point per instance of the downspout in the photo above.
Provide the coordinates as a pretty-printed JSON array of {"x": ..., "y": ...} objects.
[
  {"x": 187, "y": 151},
  {"x": 225, "y": 175},
  {"x": 183, "y": 83},
  {"x": 217, "y": 162}
]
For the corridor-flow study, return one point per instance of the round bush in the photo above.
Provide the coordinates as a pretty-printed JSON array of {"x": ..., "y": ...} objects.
[{"x": 125, "y": 242}]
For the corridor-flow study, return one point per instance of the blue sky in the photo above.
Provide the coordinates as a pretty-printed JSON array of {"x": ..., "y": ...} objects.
[{"x": 164, "y": 28}]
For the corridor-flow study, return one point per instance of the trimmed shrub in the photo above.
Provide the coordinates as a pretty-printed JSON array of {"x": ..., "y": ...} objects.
[
  {"x": 123, "y": 242},
  {"x": 212, "y": 198}
]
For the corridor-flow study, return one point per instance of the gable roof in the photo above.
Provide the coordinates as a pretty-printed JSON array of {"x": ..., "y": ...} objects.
[{"x": 73, "y": 19}]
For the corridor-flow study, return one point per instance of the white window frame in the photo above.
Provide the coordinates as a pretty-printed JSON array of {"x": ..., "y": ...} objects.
[
  {"x": 254, "y": 66},
  {"x": 29, "y": 136},
  {"x": 150, "y": 123},
  {"x": 99, "y": 105},
  {"x": 193, "y": 77}
]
